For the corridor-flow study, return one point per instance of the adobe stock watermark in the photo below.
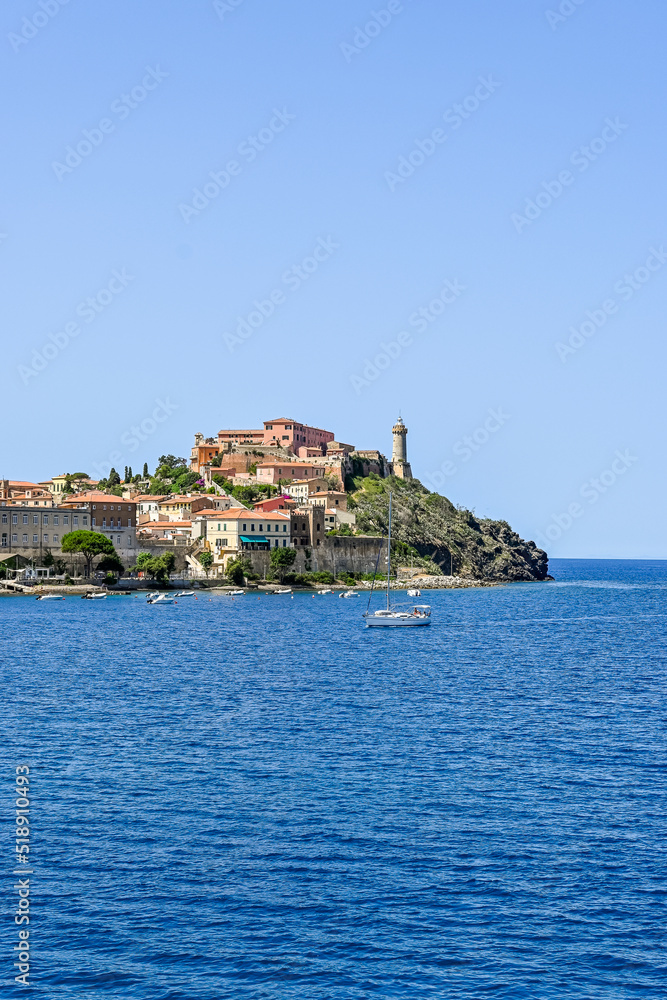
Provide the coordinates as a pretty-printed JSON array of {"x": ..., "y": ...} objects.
[
  {"x": 466, "y": 447},
  {"x": 132, "y": 438},
  {"x": 364, "y": 34},
  {"x": 564, "y": 10},
  {"x": 419, "y": 320},
  {"x": 249, "y": 150},
  {"x": 626, "y": 288},
  {"x": 31, "y": 26},
  {"x": 292, "y": 279},
  {"x": 454, "y": 117},
  {"x": 224, "y": 7},
  {"x": 122, "y": 108},
  {"x": 581, "y": 158},
  {"x": 590, "y": 491},
  {"x": 88, "y": 310}
]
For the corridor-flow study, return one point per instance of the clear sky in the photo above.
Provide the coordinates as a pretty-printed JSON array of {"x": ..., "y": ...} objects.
[{"x": 336, "y": 212}]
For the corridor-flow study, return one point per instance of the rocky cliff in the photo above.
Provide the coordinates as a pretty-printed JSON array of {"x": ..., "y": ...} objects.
[{"x": 453, "y": 538}]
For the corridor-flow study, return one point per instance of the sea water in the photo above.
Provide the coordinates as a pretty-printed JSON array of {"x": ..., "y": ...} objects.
[{"x": 261, "y": 798}]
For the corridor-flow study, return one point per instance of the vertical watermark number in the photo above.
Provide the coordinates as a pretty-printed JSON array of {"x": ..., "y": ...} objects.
[{"x": 22, "y": 886}]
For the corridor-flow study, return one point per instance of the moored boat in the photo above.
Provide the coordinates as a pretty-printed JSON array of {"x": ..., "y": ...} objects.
[{"x": 396, "y": 615}]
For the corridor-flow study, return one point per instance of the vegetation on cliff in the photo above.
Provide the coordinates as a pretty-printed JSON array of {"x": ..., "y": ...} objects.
[{"x": 453, "y": 538}]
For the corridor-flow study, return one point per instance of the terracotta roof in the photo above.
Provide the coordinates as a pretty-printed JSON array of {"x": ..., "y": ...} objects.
[
  {"x": 178, "y": 498},
  {"x": 95, "y": 496},
  {"x": 233, "y": 514},
  {"x": 144, "y": 497},
  {"x": 149, "y": 525}
]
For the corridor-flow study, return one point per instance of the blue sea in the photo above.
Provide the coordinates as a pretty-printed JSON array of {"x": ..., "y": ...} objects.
[{"x": 260, "y": 799}]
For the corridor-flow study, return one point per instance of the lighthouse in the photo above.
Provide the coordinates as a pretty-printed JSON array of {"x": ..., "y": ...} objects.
[{"x": 399, "y": 453}]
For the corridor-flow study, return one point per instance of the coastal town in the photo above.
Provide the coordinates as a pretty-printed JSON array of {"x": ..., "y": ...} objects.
[{"x": 241, "y": 495}]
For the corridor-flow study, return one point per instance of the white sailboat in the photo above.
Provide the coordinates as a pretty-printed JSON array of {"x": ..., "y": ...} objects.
[{"x": 395, "y": 615}]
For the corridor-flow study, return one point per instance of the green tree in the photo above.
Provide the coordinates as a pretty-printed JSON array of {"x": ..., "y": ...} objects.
[
  {"x": 237, "y": 569},
  {"x": 113, "y": 479},
  {"x": 206, "y": 559},
  {"x": 282, "y": 560},
  {"x": 111, "y": 564},
  {"x": 157, "y": 567},
  {"x": 145, "y": 472},
  {"x": 90, "y": 544}
]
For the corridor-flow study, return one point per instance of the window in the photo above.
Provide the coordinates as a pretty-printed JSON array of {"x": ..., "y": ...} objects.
[
  {"x": 46, "y": 518},
  {"x": 4, "y": 539},
  {"x": 46, "y": 538},
  {"x": 85, "y": 519},
  {"x": 94, "y": 506},
  {"x": 252, "y": 527},
  {"x": 245, "y": 527},
  {"x": 35, "y": 539},
  {"x": 66, "y": 519},
  {"x": 25, "y": 539},
  {"x": 35, "y": 518},
  {"x": 15, "y": 519},
  {"x": 129, "y": 522},
  {"x": 118, "y": 539},
  {"x": 25, "y": 518},
  {"x": 104, "y": 522},
  {"x": 284, "y": 527},
  {"x": 75, "y": 519},
  {"x": 260, "y": 527},
  {"x": 4, "y": 518},
  {"x": 55, "y": 539},
  {"x": 105, "y": 507},
  {"x": 15, "y": 537}
]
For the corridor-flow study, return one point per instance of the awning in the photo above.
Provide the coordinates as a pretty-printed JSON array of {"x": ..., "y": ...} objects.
[{"x": 256, "y": 538}]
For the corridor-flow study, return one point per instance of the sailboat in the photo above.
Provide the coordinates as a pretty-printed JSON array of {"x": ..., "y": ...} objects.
[{"x": 395, "y": 616}]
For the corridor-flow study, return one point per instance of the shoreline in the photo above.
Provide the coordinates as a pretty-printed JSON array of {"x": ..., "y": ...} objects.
[{"x": 362, "y": 586}]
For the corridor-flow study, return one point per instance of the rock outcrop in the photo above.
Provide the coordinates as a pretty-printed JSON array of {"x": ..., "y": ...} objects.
[{"x": 453, "y": 538}]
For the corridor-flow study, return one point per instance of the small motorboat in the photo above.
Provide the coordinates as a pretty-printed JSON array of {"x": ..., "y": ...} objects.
[
  {"x": 185, "y": 593},
  {"x": 413, "y": 592},
  {"x": 349, "y": 593},
  {"x": 320, "y": 592},
  {"x": 95, "y": 596},
  {"x": 50, "y": 597},
  {"x": 161, "y": 599},
  {"x": 236, "y": 593},
  {"x": 287, "y": 591}
]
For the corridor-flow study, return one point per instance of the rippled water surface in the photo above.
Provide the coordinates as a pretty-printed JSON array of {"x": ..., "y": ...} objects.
[{"x": 264, "y": 799}]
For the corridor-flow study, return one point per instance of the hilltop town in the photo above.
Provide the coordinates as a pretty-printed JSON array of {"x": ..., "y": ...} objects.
[{"x": 287, "y": 499}]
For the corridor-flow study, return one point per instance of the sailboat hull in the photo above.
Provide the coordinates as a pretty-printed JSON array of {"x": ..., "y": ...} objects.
[{"x": 386, "y": 622}]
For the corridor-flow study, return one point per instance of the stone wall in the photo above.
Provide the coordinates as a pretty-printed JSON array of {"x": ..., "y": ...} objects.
[{"x": 354, "y": 554}]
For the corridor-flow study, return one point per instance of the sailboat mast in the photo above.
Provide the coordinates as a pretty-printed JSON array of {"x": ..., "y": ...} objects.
[{"x": 389, "y": 555}]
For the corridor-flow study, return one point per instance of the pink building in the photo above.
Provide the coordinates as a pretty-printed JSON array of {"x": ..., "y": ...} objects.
[
  {"x": 294, "y": 436},
  {"x": 274, "y": 472}
]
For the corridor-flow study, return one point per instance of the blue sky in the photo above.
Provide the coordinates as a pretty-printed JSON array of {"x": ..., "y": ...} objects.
[{"x": 516, "y": 155}]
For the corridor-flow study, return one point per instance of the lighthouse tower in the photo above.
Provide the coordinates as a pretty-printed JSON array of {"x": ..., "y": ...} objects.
[{"x": 399, "y": 454}]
